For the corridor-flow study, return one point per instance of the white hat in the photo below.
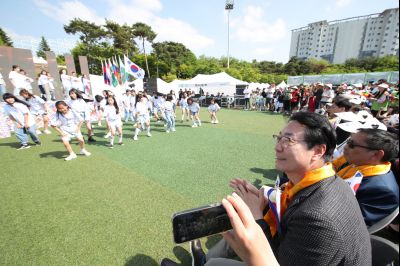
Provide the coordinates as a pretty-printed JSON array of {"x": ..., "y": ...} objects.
[
  {"x": 356, "y": 101},
  {"x": 348, "y": 116},
  {"x": 383, "y": 85},
  {"x": 353, "y": 127},
  {"x": 329, "y": 85}
]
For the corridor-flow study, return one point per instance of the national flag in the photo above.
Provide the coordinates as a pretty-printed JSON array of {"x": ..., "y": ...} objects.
[
  {"x": 104, "y": 69},
  {"x": 124, "y": 77},
  {"x": 117, "y": 71},
  {"x": 274, "y": 201},
  {"x": 133, "y": 69},
  {"x": 108, "y": 72},
  {"x": 114, "y": 80},
  {"x": 355, "y": 181}
]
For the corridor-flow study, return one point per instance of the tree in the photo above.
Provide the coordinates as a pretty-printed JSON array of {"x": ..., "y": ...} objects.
[
  {"x": 4, "y": 39},
  {"x": 123, "y": 37},
  {"x": 60, "y": 60},
  {"x": 43, "y": 48},
  {"x": 144, "y": 33},
  {"x": 90, "y": 33},
  {"x": 179, "y": 59}
]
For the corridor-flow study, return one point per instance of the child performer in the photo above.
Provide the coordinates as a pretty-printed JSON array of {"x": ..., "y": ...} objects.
[
  {"x": 142, "y": 116},
  {"x": 79, "y": 105},
  {"x": 68, "y": 124},
  {"x": 113, "y": 118},
  {"x": 183, "y": 103},
  {"x": 18, "y": 112},
  {"x": 194, "y": 109},
  {"x": 169, "y": 113},
  {"x": 38, "y": 108},
  {"x": 213, "y": 109}
]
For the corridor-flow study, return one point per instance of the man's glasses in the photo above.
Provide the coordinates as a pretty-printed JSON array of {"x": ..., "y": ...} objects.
[
  {"x": 353, "y": 145},
  {"x": 285, "y": 141}
]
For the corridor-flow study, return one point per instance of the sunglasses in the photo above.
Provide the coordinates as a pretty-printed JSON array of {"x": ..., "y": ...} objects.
[{"x": 353, "y": 145}]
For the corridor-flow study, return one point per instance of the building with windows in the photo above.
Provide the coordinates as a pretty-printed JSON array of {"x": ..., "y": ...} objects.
[{"x": 357, "y": 37}]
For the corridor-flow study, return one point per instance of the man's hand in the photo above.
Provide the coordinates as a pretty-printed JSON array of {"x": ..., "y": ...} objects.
[
  {"x": 234, "y": 183},
  {"x": 255, "y": 202},
  {"x": 247, "y": 238}
]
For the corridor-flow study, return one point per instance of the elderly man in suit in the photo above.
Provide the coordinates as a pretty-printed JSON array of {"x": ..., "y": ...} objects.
[
  {"x": 369, "y": 152},
  {"x": 320, "y": 220}
]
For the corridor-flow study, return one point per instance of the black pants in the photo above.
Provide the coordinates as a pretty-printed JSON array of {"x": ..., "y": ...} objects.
[{"x": 246, "y": 103}]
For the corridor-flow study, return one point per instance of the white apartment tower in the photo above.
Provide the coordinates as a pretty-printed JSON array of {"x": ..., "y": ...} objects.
[{"x": 357, "y": 37}]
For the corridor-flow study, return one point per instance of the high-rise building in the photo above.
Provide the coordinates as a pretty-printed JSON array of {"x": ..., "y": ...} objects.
[{"x": 357, "y": 37}]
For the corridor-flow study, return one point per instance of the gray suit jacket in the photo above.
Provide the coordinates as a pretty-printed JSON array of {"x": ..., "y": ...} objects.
[{"x": 323, "y": 225}]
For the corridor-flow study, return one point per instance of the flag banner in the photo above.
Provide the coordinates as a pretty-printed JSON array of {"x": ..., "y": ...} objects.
[
  {"x": 104, "y": 69},
  {"x": 273, "y": 195},
  {"x": 133, "y": 69},
  {"x": 355, "y": 181},
  {"x": 114, "y": 79},
  {"x": 122, "y": 70},
  {"x": 116, "y": 70}
]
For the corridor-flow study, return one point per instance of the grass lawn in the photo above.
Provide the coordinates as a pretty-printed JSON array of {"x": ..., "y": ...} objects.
[{"x": 115, "y": 207}]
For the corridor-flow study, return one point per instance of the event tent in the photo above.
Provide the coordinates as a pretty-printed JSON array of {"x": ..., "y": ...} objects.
[{"x": 220, "y": 82}]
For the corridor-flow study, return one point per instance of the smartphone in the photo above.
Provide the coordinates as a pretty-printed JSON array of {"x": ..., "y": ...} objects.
[{"x": 200, "y": 222}]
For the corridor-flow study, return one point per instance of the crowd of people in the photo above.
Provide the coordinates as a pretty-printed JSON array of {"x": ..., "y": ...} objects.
[{"x": 29, "y": 112}]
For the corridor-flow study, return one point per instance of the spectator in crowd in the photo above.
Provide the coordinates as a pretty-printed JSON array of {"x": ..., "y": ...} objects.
[
  {"x": 369, "y": 152},
  {"x": 247, "y": 94},
  {"x": 318, "y": 91},
  {"x": 381, "y": 100},
  {"x": 316, "y": 206},
  {"x": 327, "y": 95},
  {"x": 270, "y": 97}
]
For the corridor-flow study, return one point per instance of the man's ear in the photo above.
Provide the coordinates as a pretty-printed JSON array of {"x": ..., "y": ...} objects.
[{"x": 319, "y": 152}]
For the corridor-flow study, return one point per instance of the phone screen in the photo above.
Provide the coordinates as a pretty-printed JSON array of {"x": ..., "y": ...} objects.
[{"x": 200, "y": 222}]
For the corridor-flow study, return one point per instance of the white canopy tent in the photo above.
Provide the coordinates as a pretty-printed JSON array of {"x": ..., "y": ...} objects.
[
  {"x": 254, "y": 86},
  {"x": 220, "y": 82},
  {"x": 282, "y": 85}
]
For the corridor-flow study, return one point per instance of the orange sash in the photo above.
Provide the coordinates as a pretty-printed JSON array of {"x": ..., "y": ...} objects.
[
  {"x": 290, "y": 191},
  {"x": 366, "y": 170}
]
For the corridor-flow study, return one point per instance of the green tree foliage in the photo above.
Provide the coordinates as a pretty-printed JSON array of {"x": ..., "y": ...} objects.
[
  {"x": 5, "y": 40},
  {"x": 122, "y": 36},
  {"x": 178, "y": 59},
  {"x": 60, "y": 60},
  {"x": 43, "y": 48},
  {"x": 144, "y": 33}
]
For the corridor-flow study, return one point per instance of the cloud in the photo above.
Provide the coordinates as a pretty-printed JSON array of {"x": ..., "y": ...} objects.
[
  {"x": 342, "y": 3},
  {"x": 171, "y": 29},
  {"x": 67, "y": 11},
  {"x": 130, "y": 12},
  {"x": 253, "y": 27}
]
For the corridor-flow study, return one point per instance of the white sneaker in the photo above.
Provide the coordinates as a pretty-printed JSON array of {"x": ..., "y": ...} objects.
[
  {"x": 38, "y": 132},
  {"x": 212, "y": 122},
  {"x": 71, "y": 157},
  {"x": 108, "y": 135},
  {"x": 149, "y": 134},
  {"x": 167, "y": 131},
  {"x": 216, "y": 122},
  {"x": 173, "y": 130},
  {"x": 47, "y": 132},
  {"x": 194, "y": 125},
  {"x": 135, "y": 138},
  {"x": 85, "y": 152},
  {"x": 199, "y": 124}
]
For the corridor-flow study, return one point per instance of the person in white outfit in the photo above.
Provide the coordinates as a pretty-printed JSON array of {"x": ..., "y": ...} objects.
[
  {"x": 113, "y": 117},
  {"x": 194, "y": 110},
  {"x": 68, "y": 124},
  {"x": 38, "y": 108},
  {"x": 213, "y": 109},
  {"x": 142, "y": 116},
  {"x": 66, "y": 83}
]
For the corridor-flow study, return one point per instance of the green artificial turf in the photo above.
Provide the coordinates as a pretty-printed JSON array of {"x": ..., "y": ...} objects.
[{"x": 115, "y": 207}]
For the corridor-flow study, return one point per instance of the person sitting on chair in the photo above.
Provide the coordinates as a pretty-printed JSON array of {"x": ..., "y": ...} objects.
[{"x": 370, "y": 151}]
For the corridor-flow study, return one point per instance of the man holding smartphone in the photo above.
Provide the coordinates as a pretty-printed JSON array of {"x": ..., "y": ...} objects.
[{"x": 320, "y": 221}]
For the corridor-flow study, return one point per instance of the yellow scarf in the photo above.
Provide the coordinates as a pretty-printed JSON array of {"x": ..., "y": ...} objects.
[
  {"x": 366, "y": 170},
  {"x": 290, "y": 190}
]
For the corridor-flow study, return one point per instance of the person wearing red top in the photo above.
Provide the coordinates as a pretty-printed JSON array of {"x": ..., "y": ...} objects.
[
  {"x": 312, "y": 103},
  {"x": 294, "y": 102}
]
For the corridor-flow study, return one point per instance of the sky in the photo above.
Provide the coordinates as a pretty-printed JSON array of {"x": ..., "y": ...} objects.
[{"x": 259, "y": 29}]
